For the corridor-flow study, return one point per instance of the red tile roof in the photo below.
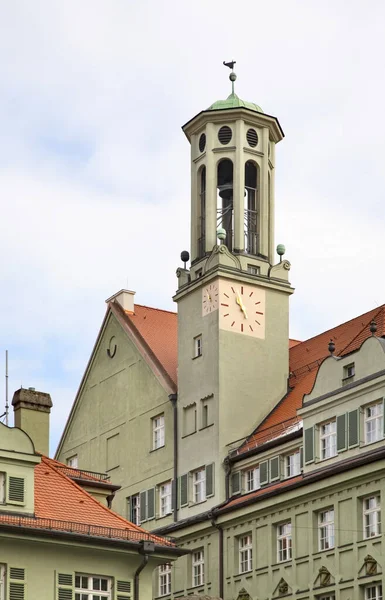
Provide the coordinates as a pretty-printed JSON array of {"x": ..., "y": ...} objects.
[{"x": 63, "y": 505}]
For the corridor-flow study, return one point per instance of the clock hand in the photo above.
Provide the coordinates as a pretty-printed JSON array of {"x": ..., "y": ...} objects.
[{"x": 241, "y": 305}]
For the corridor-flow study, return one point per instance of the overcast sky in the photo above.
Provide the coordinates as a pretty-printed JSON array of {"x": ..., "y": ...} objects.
[{"x": 94, "y": 168}]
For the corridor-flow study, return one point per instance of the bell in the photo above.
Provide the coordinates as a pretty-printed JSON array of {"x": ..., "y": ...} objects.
[{"x": 226, "y": 191}]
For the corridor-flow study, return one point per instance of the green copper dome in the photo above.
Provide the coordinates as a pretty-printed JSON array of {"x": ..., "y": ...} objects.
[{"x": 233, "y": 101}]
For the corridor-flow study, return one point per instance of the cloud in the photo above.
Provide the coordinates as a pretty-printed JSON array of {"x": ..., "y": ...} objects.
[{"x": 94, "y": 169}]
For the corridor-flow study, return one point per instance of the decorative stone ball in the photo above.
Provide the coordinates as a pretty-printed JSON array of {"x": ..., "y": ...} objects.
[
  {"x": 232, "y": 76},
  {"x": 281, "y": 249},
  {"x": 221, "y": 234},
  {"x": 185, "y": 256}
]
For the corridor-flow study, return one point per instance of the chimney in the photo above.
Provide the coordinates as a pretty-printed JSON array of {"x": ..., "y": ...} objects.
[
  {"x": 125, "y": 298},
  {"x": 32, "y": 410}
]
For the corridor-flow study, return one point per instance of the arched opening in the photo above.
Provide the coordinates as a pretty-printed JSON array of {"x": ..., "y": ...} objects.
[
  {"x": 225, "y": 186},
  {"x": 202, "y": 212},
  {"x": 251, "y": 208}
]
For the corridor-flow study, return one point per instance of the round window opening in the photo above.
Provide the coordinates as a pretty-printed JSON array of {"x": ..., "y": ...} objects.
[
  {"x": 252, "y": 137},
  {"x": 202, "y": 142},
  {"x": 224, "y": 135}
]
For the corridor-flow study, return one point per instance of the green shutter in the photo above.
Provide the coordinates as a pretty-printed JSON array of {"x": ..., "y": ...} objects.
[
  {"x": 151, "y": 503},
  {"x": 301, "y": 457},
  {"x": 235, "y": 483},
  {"x": 173, "y": 482},
  {"x": 309, "y": 445},
  {"x": 341, "y": 433},
  {"x": 124, "y": 590},
  {"x": 16, "y": 584},
  {"x": 184, "y": 490},
  {"x": 274, "y": 468},
  {"x": 383, "y": 417},
  {"x": 353, "y": 422},
  {"x": 64, "y": 586},
  {"x": 15, "y": 490},
  {"x": 264, "y": 473},
  {"x": 209, "y": 480},
  {"x": 143, "y": 506}
]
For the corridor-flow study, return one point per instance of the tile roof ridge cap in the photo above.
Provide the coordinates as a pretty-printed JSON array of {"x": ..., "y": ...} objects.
[
  {"x": 47, "y": 460},
  {"x": 381, "y": 307},
  {"x": 171, "y": 312}
]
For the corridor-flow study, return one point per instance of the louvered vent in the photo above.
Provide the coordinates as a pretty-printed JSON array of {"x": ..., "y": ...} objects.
[
  {"x": 252, "y": 137},
  {"x": 65, "y": 594},
  {"x": 15, "y": 573},
  {"x": 124, "y": 586},
  {"x": 16, "y": 489},
  {"x": 16, "y": 591},
  {"x": 224, "y": 135},
  {"x": 202, "y": 142},
  {"x": 64, "y": 579}
]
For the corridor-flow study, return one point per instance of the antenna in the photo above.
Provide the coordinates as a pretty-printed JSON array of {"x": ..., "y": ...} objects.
[{"x": 6, "y": 388}]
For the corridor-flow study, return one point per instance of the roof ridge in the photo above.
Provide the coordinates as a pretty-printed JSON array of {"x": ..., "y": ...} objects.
[
  {"x": 171, "y": 312},
  {"x": 47, "y": 460},
  {"x": 361, "y": 330},
  {"x": 382, "y": 306}
]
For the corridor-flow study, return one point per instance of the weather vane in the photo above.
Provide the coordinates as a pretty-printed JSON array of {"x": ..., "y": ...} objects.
[{"x": 232, "y": 75}]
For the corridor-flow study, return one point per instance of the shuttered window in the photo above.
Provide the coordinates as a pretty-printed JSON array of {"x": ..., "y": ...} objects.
[
  {"x": 16, "y": 584},
  {"x": 236, "y": 483},
  {"x": 124, "y": 590},
  {"x": 92, "y": 587},
  {"x": 183, "y": 486},
  {"x": 15, "y": 490},
  {"x": 209, "y": 480},
  {"x": 274, "y": 468},
  {"x": 147, "y": 505},
  {"x": 309, "y": 445},
  {"x": 341, "y": 433},
  {"x": 264, "y": 472},
  {"x": 64, "y": 586},
  {"x": 353, "y": 431}
]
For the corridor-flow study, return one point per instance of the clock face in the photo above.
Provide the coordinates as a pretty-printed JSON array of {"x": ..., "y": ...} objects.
[
  {"x": 210, "y": 298},
  {"x": 242, "y": 309}
]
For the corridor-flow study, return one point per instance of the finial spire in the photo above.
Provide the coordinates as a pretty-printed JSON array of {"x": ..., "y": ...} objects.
[
  {"x": 232, "y": 75},
  {"x": 373, "y": 327}
]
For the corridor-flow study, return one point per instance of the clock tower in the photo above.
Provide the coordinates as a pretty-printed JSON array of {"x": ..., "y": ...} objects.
[{"x": 233, "y": 302}]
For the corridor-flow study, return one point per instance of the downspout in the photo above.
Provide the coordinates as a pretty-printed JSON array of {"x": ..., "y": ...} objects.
[
  {"x": 220, "y": 551},
  {"x": 173, "y": 398},
  {"x": 145, "y": 549}
]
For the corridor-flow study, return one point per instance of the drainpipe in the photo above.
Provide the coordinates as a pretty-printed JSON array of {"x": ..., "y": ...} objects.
[
  {"x": 220, "y": 550},
  {"x": 145, "y": 549},
  {"x": 173, "y": 398}
]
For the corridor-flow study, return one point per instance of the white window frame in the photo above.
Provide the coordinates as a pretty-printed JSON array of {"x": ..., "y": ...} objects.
[
  {"x": 198, "y": 568},
  {"x": 371, "y": 513},
  {"x": 245, "y": 543},
  {"x": 252, "y": 479},
  {"x": 164, "y": 583},
  {"x": 292, "y": 464},
  {"x": 198, "y": 346},
  {"x": 158, "y": 432},
  {"x": 165, "y": 499},
  {"x": 328, "y": 439},
  {"x": 90, "y": 592},
  {"x": 134, "y": 515},
  {"x": 327, "y": 597},
  {"x": 73, "y": 461},
  {"x": 373, "y": 591},
  {"x": 199, "y": 485},
  {"x": 374, "y": 423},
  {"x": 326, "y": 538},
  {"x": 284, "y": 542},
  {"x": 2, "y": 581}
]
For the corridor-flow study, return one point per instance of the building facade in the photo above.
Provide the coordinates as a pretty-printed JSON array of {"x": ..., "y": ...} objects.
[{"x": 220, "y": 430}]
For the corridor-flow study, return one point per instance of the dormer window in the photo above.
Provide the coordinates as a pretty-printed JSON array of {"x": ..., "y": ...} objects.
[
  {"x": 349, "y": 372},
  {"x": 72, "y": 461}
]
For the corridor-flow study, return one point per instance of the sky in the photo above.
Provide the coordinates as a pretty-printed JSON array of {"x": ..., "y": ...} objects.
[{"x": 94, "y": 167}]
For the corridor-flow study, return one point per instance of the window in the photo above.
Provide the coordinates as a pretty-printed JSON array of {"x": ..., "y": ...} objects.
[
  {"x": 2, "y": 582},
  {"x": 374, "y": 423},
  {"x": 135, "y": 509},
  {"x": 292, "y": 464},
  {"x": 328, "y": 439},
  {"x": 284, "y": 542},
  {"x": 158, "y": 432},
  {"x": 197, "y": 346},
  {"x": 207, "y": 412},
  {"x": 165, "y": 579},
  {"x": 373, "y": 592},
  {"x": 245, "y": 554},
  {"x": 92, "y": 587},
  {"x": 72, "y": 461},
  {"x": 252, "y": 481},
  {"x": 165, "y": 499},
  {"x": 253, "y": 269},
  {"x": 326, "y": 529},
  {"x": 349, "y": 372},
  {"x": 2, "y": 491},
  {"x": 189, "y": 419},
  {"x": 198, "y": 568},
  {"x": 327, "y": 597},
  {"x": 198, "y": 273},
  {"x": 372, "y": 516},
  {"x": 199, "y": 485}
]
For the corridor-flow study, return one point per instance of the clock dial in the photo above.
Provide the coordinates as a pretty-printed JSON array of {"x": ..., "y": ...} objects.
[
  {"x": 242, "y": 309},
  {"x": 210, "y": 298}
]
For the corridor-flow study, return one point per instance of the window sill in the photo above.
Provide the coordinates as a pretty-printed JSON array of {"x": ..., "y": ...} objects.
[
  {"x": 159, "y": 448},
  {"x": 191, "y": 504},
  {"x": 282, "y": 562},
  {"x": 244, "y": 573},
  {"x": 332, "y": 550},
  {"x": 188, "y": 434},
  {"x": 206, "y": 426},
  {"x": 365, "y": 443},
  {"x": 197, "y": 356},
  {"x": 372, "y": 537},
  {"x": 199, "y": 588},
  {"x": 159, "y": 517}
]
